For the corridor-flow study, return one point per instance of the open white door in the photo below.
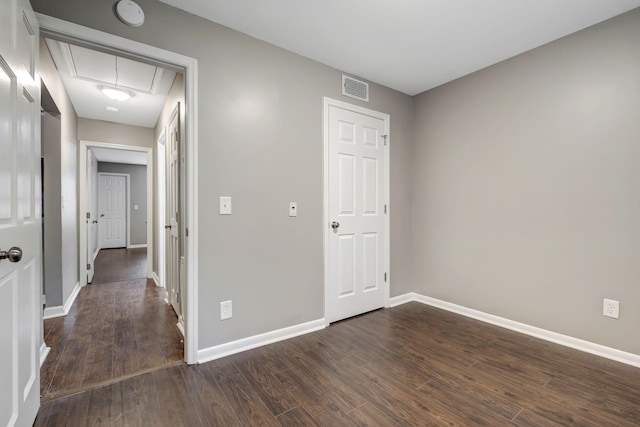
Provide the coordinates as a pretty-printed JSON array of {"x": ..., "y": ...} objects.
[
  {"x": 173, "y": 210},
  {"x": 20, "y": 216},
  {"x": 356, "y": 197}
]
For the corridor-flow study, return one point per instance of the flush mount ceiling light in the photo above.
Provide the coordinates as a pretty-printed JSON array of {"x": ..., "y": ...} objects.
[
  {"x": 130, "y": 13},
  {"x": 115, "y": 94},
  {"x": 112, "y": 109}
]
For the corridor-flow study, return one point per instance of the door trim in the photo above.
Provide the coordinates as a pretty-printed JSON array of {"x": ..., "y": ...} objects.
[
  {"x": 127, "y": 181},
  {"x": 329, "y": 102},
  {"x": 58, "y": 28},
  {"x": 82, "y": 201}
]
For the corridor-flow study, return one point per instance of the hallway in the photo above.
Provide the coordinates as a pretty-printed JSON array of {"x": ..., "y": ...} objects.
[{"x": 118, "y": 327}]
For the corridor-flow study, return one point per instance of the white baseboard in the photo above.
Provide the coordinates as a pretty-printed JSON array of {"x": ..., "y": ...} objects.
[
  {"x": 227, "y": 349},
  {"x": 402, "y": 299},
  {"x": 180, "y": 325},
  {"x": 156, "y": 279},
  {"x": 565, "y": 340},
  {"x": 59, "y": 311},
  {"x": 142, "y": 245},
  {"x": 44, "y": 352}
]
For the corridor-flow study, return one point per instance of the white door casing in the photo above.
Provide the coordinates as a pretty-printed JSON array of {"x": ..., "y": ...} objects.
[
  {"x": 112, "y": 210},
  {"x": 56, "y": 28},
  {"x": 20, "y": 215},
  {"x": 172, "y": 213},
  {"x": 90, "y": 216},
  {"x": 356, "y": 210}
]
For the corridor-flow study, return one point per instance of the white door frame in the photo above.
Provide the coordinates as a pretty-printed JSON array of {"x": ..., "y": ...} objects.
[
  {"x": 50, "y": 26},
  {"x": 55, "y": 27},
  {"x": 83, "y": 203},
  {"x": 127, "y": 197},
  {"x": 329, "y": 102}
]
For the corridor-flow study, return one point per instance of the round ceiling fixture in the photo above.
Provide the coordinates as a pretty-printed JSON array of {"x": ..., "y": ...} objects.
[{"x": 130, "y": 13}]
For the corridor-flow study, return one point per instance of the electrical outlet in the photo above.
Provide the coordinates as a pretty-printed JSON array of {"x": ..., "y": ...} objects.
[
  {"x": 225, "y": 310},
  {"x": 611, "y": 308}
]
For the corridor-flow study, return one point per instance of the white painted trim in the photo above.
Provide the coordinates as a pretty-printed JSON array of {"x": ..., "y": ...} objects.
[
  {"x": 59, "y": 311},
  {"x": 141, "y": 245},
  {"x": 51, "y": 312},
  {"x": 127, "y": 180},
  {"x": 402, "y": 299},
  {"x": 554, "y": 337},
  {"x": 180, "y": 325},
  {"x": 161, "y": 207},
  {"x": 57, "y": 28},
  {"x": 329, "y": 102},
  {"x": 44, "y": 352},
  {"x": 95, "y": 254},
  {"x": 156, "y": 280},
  {"x": 226, "y": 349}
]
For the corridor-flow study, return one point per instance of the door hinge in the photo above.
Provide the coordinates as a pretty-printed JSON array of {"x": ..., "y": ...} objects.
[
  {"x": 385, "y": 208},
  {"x": 88, "y": 266},
  {"x": 385, "y": 139},
  {"x": 186, "y": 232},
  {"x": 88, "y": 215},
  {"x": 385, "y": 277}
]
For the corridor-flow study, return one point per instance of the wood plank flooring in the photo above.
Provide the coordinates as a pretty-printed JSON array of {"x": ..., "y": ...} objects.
[
  {"x": 118, "y": 265},
  {"x": 113, "y": 331},
  {"x": 409, "y": 365}
]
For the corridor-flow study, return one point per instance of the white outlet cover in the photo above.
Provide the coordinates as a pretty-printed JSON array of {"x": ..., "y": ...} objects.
[
  {"x": 611, "y": 308},
  {"x": 226, "y": 310}
]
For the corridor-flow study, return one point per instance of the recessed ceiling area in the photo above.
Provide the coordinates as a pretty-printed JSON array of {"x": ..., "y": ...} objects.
[
  {"x": 408, "y": 45},
  {"x": 84, "y": 72}
]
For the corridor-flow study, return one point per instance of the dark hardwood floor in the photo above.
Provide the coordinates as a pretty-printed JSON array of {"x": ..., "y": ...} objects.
[
  {"x": 113, "y": 330},
  {"x": 409, "y": 365},
  {"x": 118, "y": 265}
]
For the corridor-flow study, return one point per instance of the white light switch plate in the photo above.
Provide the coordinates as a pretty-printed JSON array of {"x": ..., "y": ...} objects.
[
  {"x": 225, "y": 205},
  {"x": 293, "y": 209}
]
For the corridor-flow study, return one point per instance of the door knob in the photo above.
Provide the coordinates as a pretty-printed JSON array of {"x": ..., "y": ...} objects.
[
  {"x": 101, "y": 215},
  {"x": 167, "y": 226},
  {"x": 335, "y": 225},
  {"x": 95, "y": 221},
  {"x": 13, "y": 255}
]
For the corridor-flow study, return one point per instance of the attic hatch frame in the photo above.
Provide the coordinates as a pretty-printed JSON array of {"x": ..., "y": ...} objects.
[{"x": 98, "y": 40}]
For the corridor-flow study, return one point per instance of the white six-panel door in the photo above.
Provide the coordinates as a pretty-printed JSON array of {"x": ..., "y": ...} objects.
[
  {"x": 112, "y": 208},
  {"x": 20, "y": 215},
  {"x": 357, "y": 235},
  {"x": 172, "y": 214}
]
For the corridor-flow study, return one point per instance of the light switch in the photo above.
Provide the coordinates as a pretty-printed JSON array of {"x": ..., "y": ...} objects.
[
  {"x": 225, "y": 205},
  {"x": 293, "y": 209},
  {"x": 135, "y": 207}
]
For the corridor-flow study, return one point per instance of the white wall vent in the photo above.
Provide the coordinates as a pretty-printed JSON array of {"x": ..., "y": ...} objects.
[{"x": 355, "y": 88}]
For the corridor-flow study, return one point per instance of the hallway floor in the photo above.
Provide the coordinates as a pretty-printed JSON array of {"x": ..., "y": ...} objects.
[{"x": 113, "y": 331}]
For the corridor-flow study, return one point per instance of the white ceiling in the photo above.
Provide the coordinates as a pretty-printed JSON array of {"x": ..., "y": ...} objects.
[
  {"x": 84, "y": 72},
  {"x": 119, "y": 156},
  {"x": 408, "y": 45}
]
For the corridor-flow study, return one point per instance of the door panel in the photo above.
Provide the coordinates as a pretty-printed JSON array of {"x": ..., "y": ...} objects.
[
  {"x": 356, "y": 197},
  {"x": 172, "y": 213},
  {"x": 113, "y": 210},
  {"x": 20, "y": 216}
]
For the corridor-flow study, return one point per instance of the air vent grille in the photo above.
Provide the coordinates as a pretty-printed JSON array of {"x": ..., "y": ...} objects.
[{"x": 355, "y": 88}]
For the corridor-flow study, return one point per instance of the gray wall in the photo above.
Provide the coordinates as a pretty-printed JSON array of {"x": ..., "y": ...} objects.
[
  {"x": 263, "y": 157},
  {"x": 138, "y": 196},
  {"x": 67, "y": 177},
  {"x": 527, "y": 186},
  {"x": 114, "y": 133},
  {"x": 52, "y": 222}
]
